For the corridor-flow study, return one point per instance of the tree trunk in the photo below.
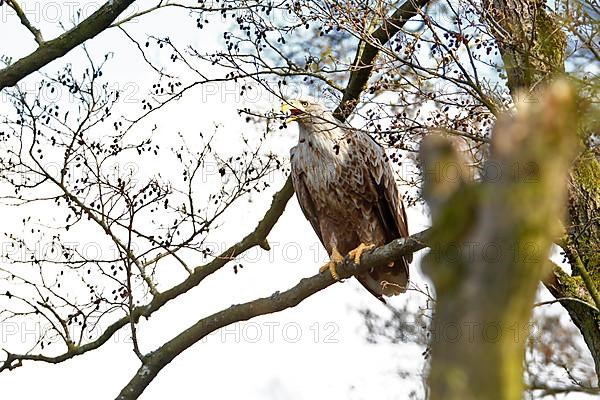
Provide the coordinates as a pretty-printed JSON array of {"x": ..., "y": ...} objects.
[
  {"x": 490, "y": 243},
  {"x": 533, "y": 46}
]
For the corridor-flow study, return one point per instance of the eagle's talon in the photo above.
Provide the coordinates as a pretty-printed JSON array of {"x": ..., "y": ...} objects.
[
  {"x": 331, "y": 265},
  {"x": 356, "y": 254}
]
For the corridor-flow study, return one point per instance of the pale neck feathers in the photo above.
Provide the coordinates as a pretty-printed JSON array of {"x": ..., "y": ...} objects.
[
  {"x": 322, "y": 149},
  {"x": 319, "y": 133}
]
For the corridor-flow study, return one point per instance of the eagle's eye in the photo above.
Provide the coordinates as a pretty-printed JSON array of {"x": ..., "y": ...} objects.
[{"x": 304, "y": 103}]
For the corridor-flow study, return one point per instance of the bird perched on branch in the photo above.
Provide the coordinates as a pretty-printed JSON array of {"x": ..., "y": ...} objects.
[{"x": 346, "y": 189}]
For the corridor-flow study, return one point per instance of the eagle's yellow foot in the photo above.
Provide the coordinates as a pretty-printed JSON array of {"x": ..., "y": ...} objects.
[
  {"x": 334, "y": 259},
  {"x": 357, "y": 252}
]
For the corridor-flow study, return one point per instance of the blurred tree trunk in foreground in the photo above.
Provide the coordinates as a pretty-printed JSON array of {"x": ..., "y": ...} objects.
[
  {"x": 490, "y": 242},
  {"x": 533, "y": 47}
]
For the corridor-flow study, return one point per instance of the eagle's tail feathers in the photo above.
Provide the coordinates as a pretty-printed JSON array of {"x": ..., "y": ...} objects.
[{"x": 386, "y": 280}]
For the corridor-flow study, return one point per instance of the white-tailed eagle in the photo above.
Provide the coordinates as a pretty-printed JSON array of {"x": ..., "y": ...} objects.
[{"x": 346, "y": 189}]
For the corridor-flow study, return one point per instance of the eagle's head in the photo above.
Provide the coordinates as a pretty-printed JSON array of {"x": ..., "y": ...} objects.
[
  {"x": 305, "y": 111},
  {"x": 318, "y": 128}
]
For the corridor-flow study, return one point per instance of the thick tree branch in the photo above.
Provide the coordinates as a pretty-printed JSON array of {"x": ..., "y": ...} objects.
[
  {"x": 587, "y": 279},
  {"x": 56, "y": 48},
  {"x": 583, "y": 314},
  {"x": 530, "y": 40},
  {"x": 366, "y": 54},
  {"x": 157, "y": 360}
]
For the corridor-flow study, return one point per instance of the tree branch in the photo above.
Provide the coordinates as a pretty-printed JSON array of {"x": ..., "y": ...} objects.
[
  {"x": 157, "y": 360},
  {"x": 583, "y": 314},
  {"x": 56, "y": 48},
  {"x": 25, "y": 21},
  {"x": 366, "y": 54}
]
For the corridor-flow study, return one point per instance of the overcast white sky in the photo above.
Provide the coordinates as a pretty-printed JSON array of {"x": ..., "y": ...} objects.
[{"x": 316, "y": 350}]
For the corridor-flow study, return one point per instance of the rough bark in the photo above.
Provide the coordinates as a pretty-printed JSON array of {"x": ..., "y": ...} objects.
[
  {"x": 489, "y": 247},
  {"x": 531, "y": 42},
  {"x": 56, "y": 48},
  {"x": 533, "y": 47},
  {"x": 582, "y": 248}
]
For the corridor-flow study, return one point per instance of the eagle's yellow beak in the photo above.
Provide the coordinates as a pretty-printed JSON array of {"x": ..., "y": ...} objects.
[{"x": 288, "y": 108}]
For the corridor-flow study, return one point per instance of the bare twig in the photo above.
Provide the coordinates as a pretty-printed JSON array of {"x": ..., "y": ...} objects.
[{"x": 258, "y": 237}]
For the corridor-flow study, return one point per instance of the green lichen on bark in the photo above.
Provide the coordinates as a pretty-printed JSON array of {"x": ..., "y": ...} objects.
[
  {"x": 534, "y": 50},
  {"x": 583, "y": 230},
  {"x": 532, "y": 43},
  {"x": 584, "y": 213},
  {"x": 482, "y": 312},
  {"x": 550, "y": 43}
]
